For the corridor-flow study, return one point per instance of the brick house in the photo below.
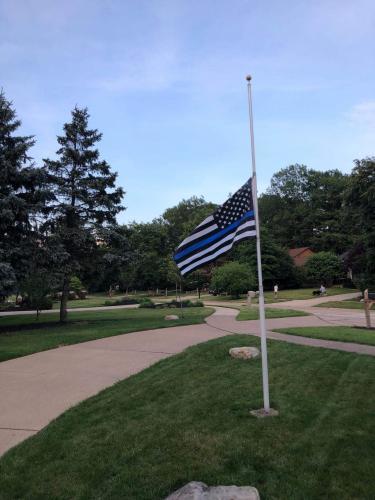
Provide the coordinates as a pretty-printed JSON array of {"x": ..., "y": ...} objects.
[{"x": 300, "y": 255}]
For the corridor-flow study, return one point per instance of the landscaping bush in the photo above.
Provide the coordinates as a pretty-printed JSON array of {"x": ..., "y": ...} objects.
[
  {"x": 146, "y": 303},
  {"x": 185, "y": 303},
  {"x": 324, "y": 267},
  {"x": 75, "y": 284},
  {"x": 37, "y": 303},
  {"x": 233, "y": 278},
  {"x": 121, "y": 302},
  {"x": 149, "y": 304}
]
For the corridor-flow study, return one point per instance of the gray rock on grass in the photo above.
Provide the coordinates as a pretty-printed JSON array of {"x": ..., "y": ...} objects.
[
  {"x": 171, "y": 317},
  {"x": 200, "y": 491},
  {"x": 244, "y": 352}
]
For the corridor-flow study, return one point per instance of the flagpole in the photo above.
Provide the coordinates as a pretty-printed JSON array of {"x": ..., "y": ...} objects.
[{"x": 262, "y": 316}]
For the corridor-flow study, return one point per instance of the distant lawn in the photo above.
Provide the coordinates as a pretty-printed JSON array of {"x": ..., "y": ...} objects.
[
  {"x": 340, "y": 333},
  {"x": 187, "y": 418},
  {"x": 94, "y": 300},
  {"x": 246, "y": 314},
  {"x": 22, "y": 335},
  {"x": 283, "y": 295},
  {"x": 344, "y": 304}
]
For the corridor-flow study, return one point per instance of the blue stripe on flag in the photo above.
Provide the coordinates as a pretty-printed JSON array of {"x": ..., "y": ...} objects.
[{"x": 214, "y": 237}]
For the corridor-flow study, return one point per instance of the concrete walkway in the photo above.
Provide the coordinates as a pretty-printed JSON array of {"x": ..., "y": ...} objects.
[
  {"x": 327, "y": 315},
  {"x": 226, "y": 322},
  {"x": 302, "y": 303},
  {"x": 288, "y": 304},
  {"x": 37, "y": 388}
]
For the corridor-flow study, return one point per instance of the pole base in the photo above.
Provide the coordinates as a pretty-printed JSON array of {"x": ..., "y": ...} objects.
[{"x": 262, "y": 413}]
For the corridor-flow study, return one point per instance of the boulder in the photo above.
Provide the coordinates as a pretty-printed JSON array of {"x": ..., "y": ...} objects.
[
  {"x": 171, "y": 317},
  {"x": 200, "y": 491},
  {"x": 244, "y": 352}
]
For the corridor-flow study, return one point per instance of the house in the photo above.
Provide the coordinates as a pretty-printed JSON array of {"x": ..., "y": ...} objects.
[{"x": 300, "y": 255}]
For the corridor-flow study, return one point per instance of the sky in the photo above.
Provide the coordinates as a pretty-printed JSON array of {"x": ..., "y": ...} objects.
[{"x": 164, "y": 81}]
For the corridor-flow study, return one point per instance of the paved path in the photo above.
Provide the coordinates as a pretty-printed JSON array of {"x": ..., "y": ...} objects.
[
  {"x": 289, "y": 304},
  {"x": 302, "y": 303},
  {"x": 37, "y": 388},
  {"x": 226, "y": 322},
  {"x": 327, "y": 315}
]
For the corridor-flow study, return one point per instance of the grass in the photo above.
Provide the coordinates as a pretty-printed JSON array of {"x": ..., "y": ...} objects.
[
  {"x": 340, "y": 333},
  {"x": 283, "y": 295},
  {"x": 344, "y": 304},
  {"x": 253, "y": 313},
  {"x": 22, "y": 335},
  {"x": 187, "y": 418},
  {"x": 93, "y": 300}
]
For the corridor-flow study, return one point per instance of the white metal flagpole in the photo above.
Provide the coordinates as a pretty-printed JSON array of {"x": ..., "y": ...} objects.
[{"x": 266, "y": 398}]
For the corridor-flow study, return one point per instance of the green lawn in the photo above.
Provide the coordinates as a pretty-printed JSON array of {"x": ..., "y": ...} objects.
[
  {"x": 94, "y": 300},
  {"x": 246, "y": 314},
  {"x": 344, "y": 304},
  {"x": 283, "y": 295},
  {"x": 341, "y": 333},
  {"x": 22, "y": 335},
  {"x": 187, "y": 418}
]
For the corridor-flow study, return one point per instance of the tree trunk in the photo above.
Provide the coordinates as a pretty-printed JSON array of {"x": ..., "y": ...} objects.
[{"x": 64, "y": 300}]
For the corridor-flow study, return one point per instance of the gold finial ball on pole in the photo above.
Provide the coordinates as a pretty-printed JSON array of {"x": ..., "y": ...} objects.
[{"x": 248, "y": 78}]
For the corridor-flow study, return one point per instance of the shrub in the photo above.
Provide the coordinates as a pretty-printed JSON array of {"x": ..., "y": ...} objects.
[
  {"x": 146, "y": 303},
  {"x": 37, "y": 303},
  {"x": 121, "y": 302},
  {"x": 185, "y": 303},
  {"x": 233, "y": 278},
  {"x": 75, "y": 284},
  {"x": 324, "y": 267}
]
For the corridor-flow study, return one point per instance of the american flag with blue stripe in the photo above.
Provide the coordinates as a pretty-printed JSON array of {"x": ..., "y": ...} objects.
[{"x": 229, "y": 224}]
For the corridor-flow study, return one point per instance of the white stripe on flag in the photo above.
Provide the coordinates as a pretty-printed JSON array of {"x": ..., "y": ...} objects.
[
  {"x": 215, "y": 245},
  {"x": 209, "y": 219},
  {"x": 199, "y": 234},
  {"x": 197, "y": 263}
]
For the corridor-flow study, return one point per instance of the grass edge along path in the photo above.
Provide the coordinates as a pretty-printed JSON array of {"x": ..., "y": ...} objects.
[
  {"x": 187, "y": 418},
  {"x": 283, "y": 295},
  {"x": 339, "y": 333},
  {"x": 27, "y": 335},
  {"x": 253, "y": 313},
  {"x": 344, "y": 304}
]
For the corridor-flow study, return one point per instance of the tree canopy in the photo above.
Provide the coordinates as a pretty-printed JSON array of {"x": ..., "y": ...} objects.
[
  {"x": 59, "y": 220},
  {"x": 85, "y": 196},
  {"x": 23, "y": 194}
]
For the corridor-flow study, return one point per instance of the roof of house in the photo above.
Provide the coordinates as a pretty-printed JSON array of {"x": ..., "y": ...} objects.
[{"x": 293, "y": 252}]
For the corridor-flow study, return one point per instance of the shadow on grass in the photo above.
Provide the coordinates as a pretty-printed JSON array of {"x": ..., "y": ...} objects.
[{"x": 17, "y": 328}]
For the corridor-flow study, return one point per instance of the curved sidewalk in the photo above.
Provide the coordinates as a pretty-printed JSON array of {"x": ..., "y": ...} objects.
[
  {"x": 37, "y": 388},
  {"x": 226, "y": 322}
]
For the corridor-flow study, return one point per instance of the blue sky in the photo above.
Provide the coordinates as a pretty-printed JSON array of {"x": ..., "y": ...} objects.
[{"x": 165, "y": 83}]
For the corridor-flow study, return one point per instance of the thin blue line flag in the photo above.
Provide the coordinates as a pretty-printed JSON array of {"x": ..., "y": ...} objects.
[{"x": 231, "y": 223}]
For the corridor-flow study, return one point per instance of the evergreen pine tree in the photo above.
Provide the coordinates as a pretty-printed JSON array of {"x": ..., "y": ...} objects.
[
  {"x": 85, "y": 197},
  {"x": 21, "y": 199}
]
